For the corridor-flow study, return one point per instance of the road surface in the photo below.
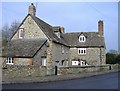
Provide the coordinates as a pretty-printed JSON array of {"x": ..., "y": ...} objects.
[{"x": 106, "y": 81}]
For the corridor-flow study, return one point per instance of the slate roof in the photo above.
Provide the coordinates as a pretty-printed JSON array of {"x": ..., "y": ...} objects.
[
  {"x": 92, "y": 39},
  {"x": 28, "y": 47},
  {"x": 71, "y": 39},
  {"x": 22, "y": 48},
  {"x": 49, "y": 31}
]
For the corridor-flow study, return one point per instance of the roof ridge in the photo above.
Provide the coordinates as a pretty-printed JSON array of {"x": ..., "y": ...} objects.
[
  {"x": 43, "y": 21},
  {"x": 30, "y": 39},
  {"x": 48, "y": 30},
  {"x": 79, "y": 32}
]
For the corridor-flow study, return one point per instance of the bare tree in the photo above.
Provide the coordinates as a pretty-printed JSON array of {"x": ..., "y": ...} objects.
[
  {"x": 14, "y": 25},
  {"x": 7, "y": 31}
]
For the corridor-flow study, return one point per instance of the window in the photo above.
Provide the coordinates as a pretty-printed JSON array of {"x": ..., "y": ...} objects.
[
  {"x": 75, "y": 62},
  {"x": 81, "y": 50},
  {"x": 62, "y": 49},
  {"x": 83, "y": 63},
  {"x": 82, "y": 38},
  {"x": 21, "y": 33},
  {"x": 58, "y": 34},
  {"x": 9, "y": 61},
  {"x": 43, "y": 61},
  {"x": 62, "y": 62}
]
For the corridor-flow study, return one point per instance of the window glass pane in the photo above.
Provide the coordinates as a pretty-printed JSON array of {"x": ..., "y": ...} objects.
[
  {"x": 8, "y": 58},
  {"x": 83, "y": 38},
  {"x": 84, "y": 51},
  {"x": 81, "y": 51},
  {"x": 9, "y": 61},
  {"x": 80, "y": 38}
]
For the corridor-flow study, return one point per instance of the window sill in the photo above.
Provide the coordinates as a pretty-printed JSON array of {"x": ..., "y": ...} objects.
[
  {"x": 81, "y": 54},
  {"x": 10, "y": 63}
]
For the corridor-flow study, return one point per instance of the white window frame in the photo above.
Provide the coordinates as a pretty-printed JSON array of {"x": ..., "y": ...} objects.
[
  {"x": 43, "y": 61},
  {"x": 9, "y": 61},
  {"x": 82, "y": 38},
  {"x": 83, "y": 63},
  {"x": 81, "y": 51},
  {"x": 74, "y": 63},
  {"x": 21, "y": 33}
]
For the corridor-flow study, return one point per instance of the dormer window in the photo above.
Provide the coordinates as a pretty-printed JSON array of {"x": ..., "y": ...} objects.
[
  {"x": 21, "y": 33},
  {"x": 82, "y": 38},
  {"x": 58, "y": 34}
]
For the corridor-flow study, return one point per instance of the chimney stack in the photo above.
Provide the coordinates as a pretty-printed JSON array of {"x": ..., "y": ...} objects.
[
  {"x": 62, "y": 29},
  {"x": 100, "y": 27},
  {"x": 32, "y": 9}
]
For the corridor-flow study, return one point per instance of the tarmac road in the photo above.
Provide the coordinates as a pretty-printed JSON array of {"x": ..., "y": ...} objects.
[{"x": 105, "y": 81}]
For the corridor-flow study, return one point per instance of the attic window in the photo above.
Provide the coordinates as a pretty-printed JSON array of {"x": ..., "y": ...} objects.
[
  {"x": 21, "y": 33},
  {"x": 82, "y": 38},
  {"x": 62, "y": 49},
  {"x": 58, "y": 34}
]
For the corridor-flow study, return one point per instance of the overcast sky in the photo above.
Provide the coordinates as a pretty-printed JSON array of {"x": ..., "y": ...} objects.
[{"x": 74, "y": 17}]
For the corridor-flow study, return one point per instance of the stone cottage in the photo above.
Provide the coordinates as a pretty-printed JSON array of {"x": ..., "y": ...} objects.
[{"x": 35, "y": 42}]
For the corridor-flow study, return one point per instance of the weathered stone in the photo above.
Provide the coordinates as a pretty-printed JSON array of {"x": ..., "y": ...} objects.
[
  {"x": 81, "y": 69},
  {"x": 31, "y": 30},
  {"x": 23, "y": 71},
  {"x": 92, "y": 56}
]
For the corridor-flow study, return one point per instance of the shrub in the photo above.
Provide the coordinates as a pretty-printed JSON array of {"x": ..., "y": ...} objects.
[{"x": 112, "y": 58}]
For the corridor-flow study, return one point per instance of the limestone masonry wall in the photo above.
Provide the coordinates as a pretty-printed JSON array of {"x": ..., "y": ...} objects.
[
  {"x": 60, "y": 53},
  {"x": 31, "y": 30},
  {"x": 92, "y": 55},
  {"x": 23, "y": 71},
  {"x": 86, "y": 69},
  {"x": 39, "y": 71}
]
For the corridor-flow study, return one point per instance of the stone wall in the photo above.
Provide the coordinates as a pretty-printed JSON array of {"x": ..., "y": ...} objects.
[
  {"x": 31, "y": 30},
  {"x": 92, "y": 55},
  {"x": 85, "y": 69},
  {"x": 50, "y": 66},
  {"x": 60, "y": 54},
  {"x": 54, "y": 53},
  {"x": 19, "y": 61},
  {"x": 23, "y": 71},
  {"x": 115, "y": 66},
  {"x": 23, "y": 61},
  {"x": 39, "y": 71},
  {"x": 38, "y": 56}
]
